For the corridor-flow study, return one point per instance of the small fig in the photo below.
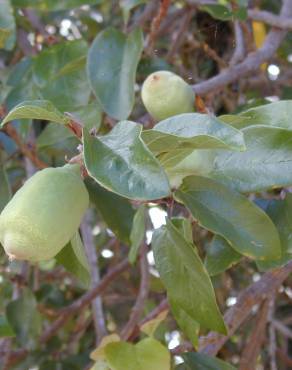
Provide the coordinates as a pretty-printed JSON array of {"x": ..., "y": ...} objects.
[
  {"x": 44, "y": 214},
  {"x": 165, "y": 94}
]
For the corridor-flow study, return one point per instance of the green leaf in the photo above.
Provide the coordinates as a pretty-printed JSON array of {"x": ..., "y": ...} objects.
[
  {"x": 218, "y": 11},
  {"x": 280, "y": 212},
  {"x": 187, "y": 324},
  {"x": 189, "y": 131},
  {"x": 24, "y": 318},
  {"x": 7, "y": 26},
  {"x": 146, "y": 354},
  {"x": 200, "y": 361},
  {"x": 277, "y": 114},
  {"x": 220, "y": 256},
  {"x": 121, "y": 162},
  {"x": 186, "y": 280},
  {"x": 184, "y": 226},
  {"x": 90, "y": 115},
  {"x": 128, "y": 5},
  {"x": 74, "y": 260},
  {"x": 35, "y": 109},
  {"x": 5, "y": 192},
  {"x": 111, "y": 67},
  {"x": 151, "y": 326},
  {"x": 225, "y": 212},
  {"x": 116, "y": 211},
  {"x": 137, "y": 233},
  {"x": 266, "y": 164},
  {"x": 60, "y": 75},
  {"x": 5, "y": 328}
]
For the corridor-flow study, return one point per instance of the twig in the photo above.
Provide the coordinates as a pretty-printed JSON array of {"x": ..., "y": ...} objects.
[
  {"x": 147, "y": 14},
  {"x": 142, "y": 296},
  {"x": 255, "y": 341},
  {"x": 239, "y": 50},
  {"x": 283, "y": 21},
  {"x": 84, "y": 300},
  {"x": 272, "y": 337},
  {"x": 246, "y": 300},
  {"x": 251, "y": 63},
  {"x": 90, "y": 248},
  {"x": 282, "y": 328}
]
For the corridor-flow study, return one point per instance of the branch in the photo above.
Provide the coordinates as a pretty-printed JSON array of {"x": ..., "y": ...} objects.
[
  {"x": 90, "y": 248},
  {"x": 251, "y": 63},
  {"x": 239, "y": 50},
  {"x": 282, "y": 22},
  {"x": 246, "y": 300},
  {"x": 142, "y": 296},
  {"x": 84, "y": 300}
]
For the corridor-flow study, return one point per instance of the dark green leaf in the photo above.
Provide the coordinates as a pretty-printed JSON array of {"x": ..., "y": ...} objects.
[
  {"x": 111, "y": 67},
  {"x": 121, "y": 162},
  {"x": 221, "y": 12},
  {"x": 266, "y": 164},
  {"x": 24, "y": 318},
  {"x": 186, "y": 280},
  {"x": 184, "y": 226},
  {"x": 200, "y": 361},
  {"x": 5, "y": 328},
  {"x": 35, "y": 109},
  {"x": 90, "y": 115},
  {"x": 5, "y": 192},
  {"x": 73, "y": 258},
  {"x": 137, "y": 232},
  {"x": 116, "y": 211},
  {"x": 227, "y": 213},
  {"x": 220, "y": 256},
  {"x": 128, "y": 5}
]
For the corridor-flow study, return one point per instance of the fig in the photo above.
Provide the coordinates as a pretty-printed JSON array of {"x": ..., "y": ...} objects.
[
  {"x": 44, "y": 214},
  {"x": 165, "y": 94}
]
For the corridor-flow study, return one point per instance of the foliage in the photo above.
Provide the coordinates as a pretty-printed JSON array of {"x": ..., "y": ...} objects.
[{"x": 186, "y": 213}]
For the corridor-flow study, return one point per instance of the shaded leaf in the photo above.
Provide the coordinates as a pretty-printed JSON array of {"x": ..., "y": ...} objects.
[
  {"x": 186, "y": 280},
  {"x": 5, "y": 192},
  {"x": 7, "y": 26},
  {"x": 184, "y": 226},
  {"x": 220, "y": 256},
  {"x": 218, "y": 11},
  {"x": 49, "y": 5},
  {"x": 24, "y": 318},
  {"x": 116, "y": 211},
  {"x": 137, "y": 233},
  {"x": 74, "y": 260},
  {"x": 225, "y": 212},
  {"x": 111, "y": 67},
  {"x": 200, "y": 361},
  {"x": 121, "y": 162},
  {"x": 5, "y": 328},
  {"x": 128, "y": 5}
]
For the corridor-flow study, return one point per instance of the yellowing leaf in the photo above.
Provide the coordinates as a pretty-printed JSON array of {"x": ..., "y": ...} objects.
[
  {"x": 98, "y": 353},
  {"x": 150, "y": 327}
]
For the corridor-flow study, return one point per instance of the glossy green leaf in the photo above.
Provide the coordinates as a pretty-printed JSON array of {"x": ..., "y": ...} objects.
[
  {"x": 137, "y": 233},
  {"x": 5, "y": 192},
  {"x": 121, "y": 162},
  {"x": 7, "y": 25},
  {"x": 188, "y": 325},
  {"x": 220, "y": 256},
  {"x": 266, "y": 164},
  {"x": 186, "y": 280},
  {"x": 74, "y": 260},
  {"x": 24, "y": 318},
  {"x": 227, "y": 213},
  {"x": 189, "y": 131},
  {"x": 5, "y": 328},
  {"x": 35, "y": 109},
  {"x": 200, "y": 361},
  {"x": 111, "y": 67},
  {"x": 277, "y": 114},
  {"x": 60, "y": 75},
  {"x": 116, "y": 211},
  {"x": 146, "y": 354}
]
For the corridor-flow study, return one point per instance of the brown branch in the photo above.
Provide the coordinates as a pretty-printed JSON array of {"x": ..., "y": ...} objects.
[
  {"x": 84, "y": 300},
  {"x": 141, "y": 298},
  {"x": 26, "y": 150},
  {"x": 255, "y": 341},
  {"x": 251, "y": 63},
  {"x": 246, "y": 300}
]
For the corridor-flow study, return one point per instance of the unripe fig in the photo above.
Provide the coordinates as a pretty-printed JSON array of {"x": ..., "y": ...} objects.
[
  {"x": 165, "y": 94},
  {"x": 44, "y": 214}
]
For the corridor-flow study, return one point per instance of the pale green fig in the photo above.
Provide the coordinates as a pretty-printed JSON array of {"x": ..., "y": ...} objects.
[
  {"x": 44, "y": 214},
  {"x": 165, "y": 94}
]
